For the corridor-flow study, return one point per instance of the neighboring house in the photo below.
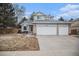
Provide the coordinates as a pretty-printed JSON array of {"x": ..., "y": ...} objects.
[
  {"x": 75, "y": 27},
  {"x": 41, "y": 24}
]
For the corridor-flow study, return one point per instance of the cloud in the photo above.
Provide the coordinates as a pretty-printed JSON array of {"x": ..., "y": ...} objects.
[
  {"x": 69, "y": 11},
  {"x": 69, "y": 7}
]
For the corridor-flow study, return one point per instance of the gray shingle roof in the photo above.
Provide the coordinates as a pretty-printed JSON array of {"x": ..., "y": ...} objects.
[{"x": 23, "y": 20}]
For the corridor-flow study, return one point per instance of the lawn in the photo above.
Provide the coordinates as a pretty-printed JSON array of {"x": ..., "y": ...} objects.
[{"x": 15, "y": 42}]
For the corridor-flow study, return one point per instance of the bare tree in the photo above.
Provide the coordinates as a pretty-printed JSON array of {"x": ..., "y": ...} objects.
[{"x": 19, "y": 11}]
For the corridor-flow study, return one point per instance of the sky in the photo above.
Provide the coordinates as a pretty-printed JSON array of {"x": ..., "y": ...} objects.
[{"x": 65, "y": 10}]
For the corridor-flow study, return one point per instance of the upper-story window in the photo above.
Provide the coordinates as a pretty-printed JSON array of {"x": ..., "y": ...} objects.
[{"x": 38, "y": 17}]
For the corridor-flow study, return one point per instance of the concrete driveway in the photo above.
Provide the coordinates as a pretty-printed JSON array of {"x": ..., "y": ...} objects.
[{"x": 51, "y": 46}]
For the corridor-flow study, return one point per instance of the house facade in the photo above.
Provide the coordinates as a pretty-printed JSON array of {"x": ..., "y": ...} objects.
[
  {"x": 75, "y": 27},
  {"x": 42, "y": 24}
]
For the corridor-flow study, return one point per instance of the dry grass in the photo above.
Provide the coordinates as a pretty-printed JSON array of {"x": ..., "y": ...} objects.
[
  {"x": 18, "y": 43},
  {"x": 8, "y": 31}
]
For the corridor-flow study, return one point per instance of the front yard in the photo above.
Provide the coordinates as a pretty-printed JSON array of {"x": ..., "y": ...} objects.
[
  {"x": 18, "y": 42},
  {"x": 49, "y": 46}
]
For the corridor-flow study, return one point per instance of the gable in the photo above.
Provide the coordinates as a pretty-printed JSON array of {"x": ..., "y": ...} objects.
[
  {"x": 23, "y": 20},
  {"x": 41, "y": 16}
]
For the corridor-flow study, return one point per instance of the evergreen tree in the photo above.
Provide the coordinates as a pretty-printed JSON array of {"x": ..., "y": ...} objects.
[
  {"x": 7, "y": 14},
  {"x": 61, "y": 19},
  {"x": 71, "y": 19}
]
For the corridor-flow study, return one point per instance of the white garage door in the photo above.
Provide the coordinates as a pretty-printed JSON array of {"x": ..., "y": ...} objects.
[
  {"x": 48, "y": 30},
  {"x": 63, "y": 30}
]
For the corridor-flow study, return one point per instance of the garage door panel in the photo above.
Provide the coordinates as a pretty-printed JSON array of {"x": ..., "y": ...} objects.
[
  {"x": 63, "y": 30},
  {"x": 46, "y": 30}
]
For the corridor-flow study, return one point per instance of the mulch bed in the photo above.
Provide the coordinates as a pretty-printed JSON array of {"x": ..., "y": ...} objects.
[{"x": 18, "y": 43}]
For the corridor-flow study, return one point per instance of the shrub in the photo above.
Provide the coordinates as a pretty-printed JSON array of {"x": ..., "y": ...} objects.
[{"x": 8, "y": 31}]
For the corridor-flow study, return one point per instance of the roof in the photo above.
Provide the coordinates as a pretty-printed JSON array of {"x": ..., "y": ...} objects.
[
  {"x": 75, "y": 24},
  {"x": 38, "y": 13},
  {"x": 77, "y": 19},
  {"x": 24, "y": 19}
]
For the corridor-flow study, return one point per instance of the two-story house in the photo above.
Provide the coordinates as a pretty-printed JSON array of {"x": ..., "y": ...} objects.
[{"x": 42, "y": 24}]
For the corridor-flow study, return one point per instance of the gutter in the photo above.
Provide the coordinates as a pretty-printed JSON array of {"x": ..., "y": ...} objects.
[{"x": 51, "y": 22}]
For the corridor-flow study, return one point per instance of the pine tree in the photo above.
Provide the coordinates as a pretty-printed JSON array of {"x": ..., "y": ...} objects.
[
  {"x": 7, "y": 14},
  {"x": 61, "y": 19},
  {"x": 71, "y": 19}
]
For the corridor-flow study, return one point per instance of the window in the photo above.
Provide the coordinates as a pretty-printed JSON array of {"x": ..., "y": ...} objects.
[
  {"x": 25, "y": 28},
  {"x": 38, "y": 17}
]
